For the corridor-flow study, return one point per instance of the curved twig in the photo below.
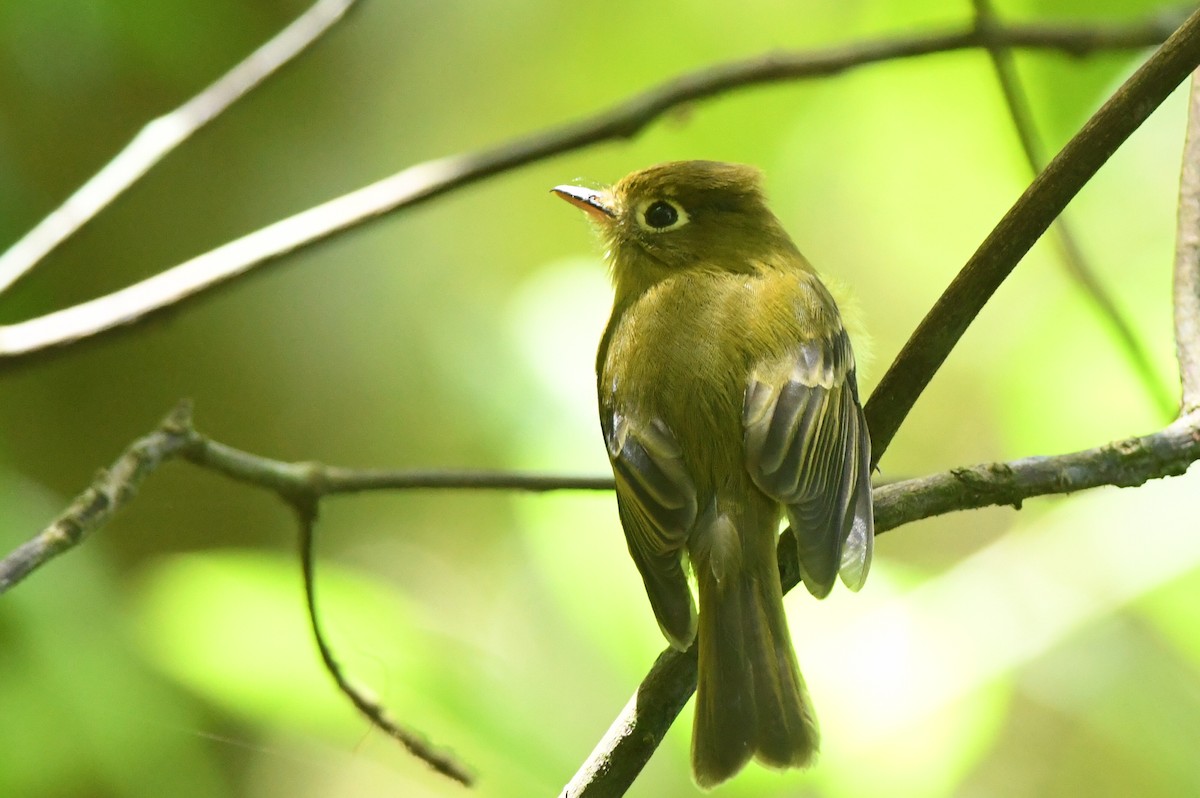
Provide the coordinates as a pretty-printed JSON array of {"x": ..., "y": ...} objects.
[
  {"x": 301, "y": 485},
  {"x": 418, "y": 746}
]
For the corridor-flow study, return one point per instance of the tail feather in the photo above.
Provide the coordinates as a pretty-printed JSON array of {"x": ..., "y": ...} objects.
[
  {"x": 787, "y": 736},
  {"x": 751, "y": 701}
]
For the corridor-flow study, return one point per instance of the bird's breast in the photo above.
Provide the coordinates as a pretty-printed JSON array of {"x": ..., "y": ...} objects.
[{"x": 681, "y": 353}]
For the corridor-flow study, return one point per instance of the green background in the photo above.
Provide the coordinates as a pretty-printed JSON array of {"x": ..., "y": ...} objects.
[{"x": 1052, "y": 651}]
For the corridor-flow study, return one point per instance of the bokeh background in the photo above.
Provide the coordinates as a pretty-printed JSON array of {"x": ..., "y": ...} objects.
[{"x": 1051, "y": 651}]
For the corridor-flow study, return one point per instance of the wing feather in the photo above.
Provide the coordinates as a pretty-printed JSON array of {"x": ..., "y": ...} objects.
[
  {"x": 807, "y": 446},
  {"x": 656, "y": 499}
]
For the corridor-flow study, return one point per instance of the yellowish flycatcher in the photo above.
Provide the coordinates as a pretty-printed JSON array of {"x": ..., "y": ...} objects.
[{"x": 728, "y": 399}]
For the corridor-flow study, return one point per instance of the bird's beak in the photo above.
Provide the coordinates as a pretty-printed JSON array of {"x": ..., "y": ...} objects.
[{"x": 596, "y": 203}]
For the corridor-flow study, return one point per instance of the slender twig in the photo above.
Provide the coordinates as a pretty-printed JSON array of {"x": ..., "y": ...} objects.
[
  {"x": 302, "y": 485},
  {"x": 109, "y": 492},
  {"x": 418, "y": 746},
  {"x": 1125, "y": 463},
  {"x": 1025, "y": 222},
  {"x": 158, "y": 138},
  {"x": 1071, "y": 253},
  {"x": 317, "y": 480},
  {"x": 1187, "y": 259},
  {"x": 297, "y": 483},
  {"x": 433, "y": 178}
]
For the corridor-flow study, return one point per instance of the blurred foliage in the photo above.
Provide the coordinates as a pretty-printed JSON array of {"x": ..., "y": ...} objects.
[{"x": 995, "y": 653}]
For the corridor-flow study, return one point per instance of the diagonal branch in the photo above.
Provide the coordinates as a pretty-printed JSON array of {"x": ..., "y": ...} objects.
[
  {"x": 159, "y": 137},
  {"x": 1025, "y": 222},
  {"x": 1070, "y": 251},
  {"x": 1187, "y": 259},
  {"x": 430, "y": 179}
]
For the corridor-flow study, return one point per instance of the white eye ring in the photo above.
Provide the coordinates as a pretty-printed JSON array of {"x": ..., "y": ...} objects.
[{"x": 660, "y": 215}]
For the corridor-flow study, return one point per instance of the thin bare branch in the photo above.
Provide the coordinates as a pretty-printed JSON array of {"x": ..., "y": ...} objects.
[
  {"x": 418, "y": 746},
  {"x": 296, "y": 483},
  {"x": 109, "y": 492},
  {"x": 317, "y": 480},
  {"x": 1071, "y": 253},
  {"x": 433, "y": 178},
  {"x": 302, "y": 485},
  {"x": 161, "y": 136},
  {"x": 1187, "y": 259},
  {"x": 1125, "y": 463},
  {"x": 638, "y": 730},
  {"x": 1025, "y": 222}
]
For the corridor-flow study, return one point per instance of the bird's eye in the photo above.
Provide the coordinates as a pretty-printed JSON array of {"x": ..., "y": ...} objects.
[{"x": 661, "y": 215}]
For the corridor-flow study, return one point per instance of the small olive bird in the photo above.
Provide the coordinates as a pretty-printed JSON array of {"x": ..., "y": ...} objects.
[{"x": 728, "y": 399}]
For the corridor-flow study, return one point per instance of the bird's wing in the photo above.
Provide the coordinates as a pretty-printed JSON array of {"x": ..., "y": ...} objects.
[
  {"x": 657, "y": 503},
  {"x": 807, "y": 446}
]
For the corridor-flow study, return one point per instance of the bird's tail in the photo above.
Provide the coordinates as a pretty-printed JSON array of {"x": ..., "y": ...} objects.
[{"x": 750, "y": 697}]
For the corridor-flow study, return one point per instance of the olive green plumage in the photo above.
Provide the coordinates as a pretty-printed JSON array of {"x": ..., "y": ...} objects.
[{"x": 728, "y": 400}]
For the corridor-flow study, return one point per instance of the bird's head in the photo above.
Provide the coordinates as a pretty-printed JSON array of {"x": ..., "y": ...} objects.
[{"x": 684, "y": 215}]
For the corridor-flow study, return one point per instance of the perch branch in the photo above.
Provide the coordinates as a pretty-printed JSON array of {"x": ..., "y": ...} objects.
[
  {"x": 162, "y": 135},
  {"x": 176, "y": 438},
  {"x": 1071, "y": 253},
  {"x": 432, "y": 178}
]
